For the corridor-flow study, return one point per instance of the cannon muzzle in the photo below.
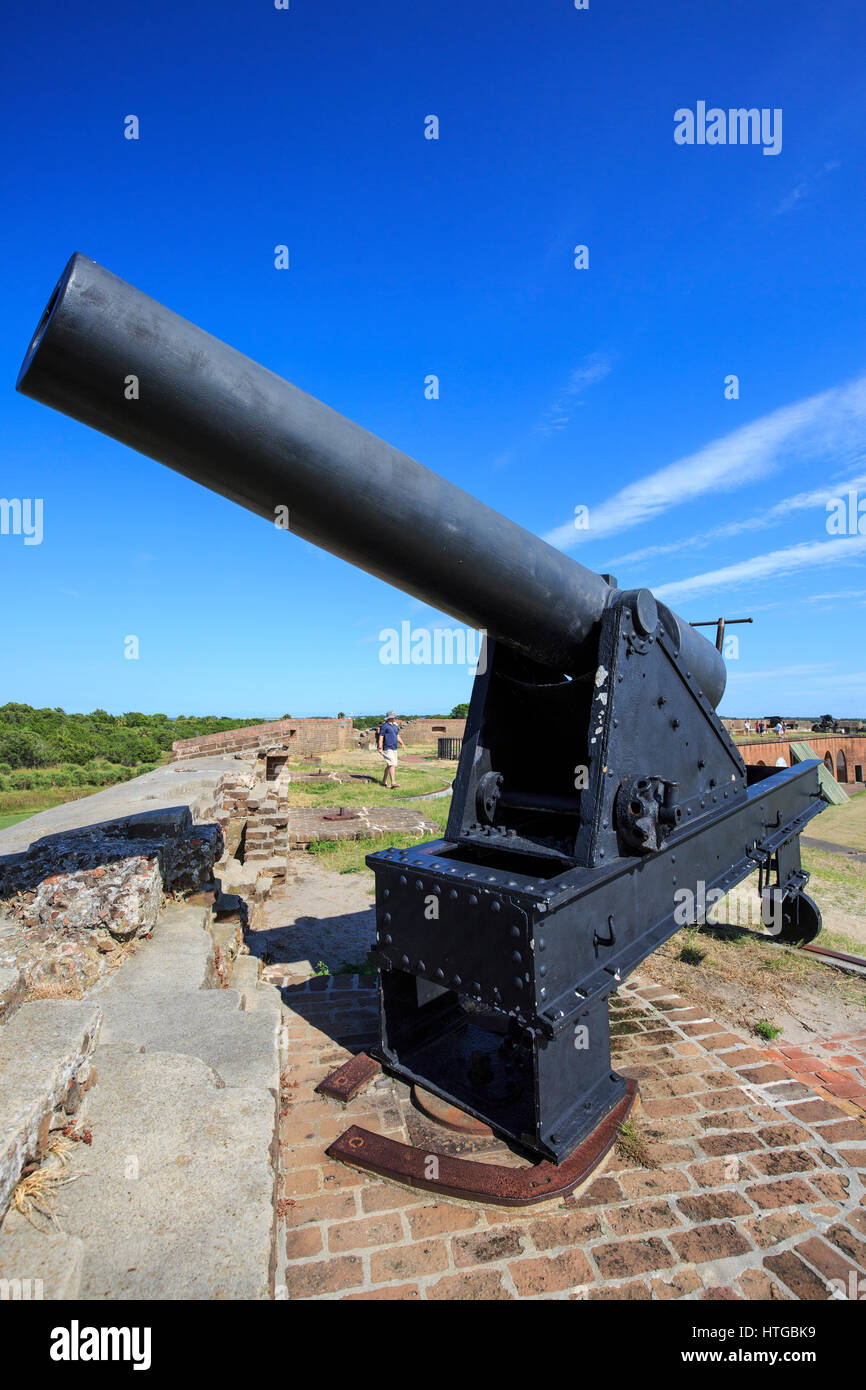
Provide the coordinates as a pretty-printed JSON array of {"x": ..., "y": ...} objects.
[{"x": 223, "y": 420}]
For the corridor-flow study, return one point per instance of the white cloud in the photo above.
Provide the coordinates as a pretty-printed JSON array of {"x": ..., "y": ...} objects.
[
  {"x": 817, "y": 429},
  {"x": 760, "y": 521},
  {"x": 591, "y": 370},
  {"x": 808, "y": 555}
]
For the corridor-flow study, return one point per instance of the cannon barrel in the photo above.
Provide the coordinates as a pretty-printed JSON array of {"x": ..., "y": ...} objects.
[{"x": 223, "y": 420}]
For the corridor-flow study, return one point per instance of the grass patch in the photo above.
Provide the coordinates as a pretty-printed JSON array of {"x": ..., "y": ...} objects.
[
  {"x": 842, "y": 825},
  {"x": 35, "y": 1195},
  {"x": 632, "y": 1144},
  {"x": 766, "y": 1030},
  {"x": 691, "y": 955},
  {"x": 348, "y": 856}
]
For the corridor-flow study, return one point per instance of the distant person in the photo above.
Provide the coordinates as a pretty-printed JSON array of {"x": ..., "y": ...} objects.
[
  {"x": 759, "y": 727},
  {"x": 748, "y": 727},
  {"x": 780, "y": 728},
  {"x": 388, "y": 741}
]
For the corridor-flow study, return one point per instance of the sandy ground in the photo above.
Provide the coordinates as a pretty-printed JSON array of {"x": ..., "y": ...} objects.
[{"x": 320, "y": 915}]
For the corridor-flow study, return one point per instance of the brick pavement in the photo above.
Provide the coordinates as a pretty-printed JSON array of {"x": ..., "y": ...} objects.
[{"x": 757, "y": 1188}]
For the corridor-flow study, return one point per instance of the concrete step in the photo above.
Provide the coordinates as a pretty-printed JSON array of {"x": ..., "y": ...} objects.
[
  {"x": 36, "y": 1265},
  {"x": 45, "y": 1048},
  {"x": 174, "y": 1197},
  {"x": 180, "y": 956},
  {"x": 207, "y": 1024}
]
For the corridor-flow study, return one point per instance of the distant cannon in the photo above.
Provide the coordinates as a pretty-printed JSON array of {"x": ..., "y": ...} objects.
[{"x": 599, "y": 802}]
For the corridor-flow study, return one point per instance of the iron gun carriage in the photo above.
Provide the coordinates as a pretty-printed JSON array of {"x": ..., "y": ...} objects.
[{"x": 498, "y": 945}]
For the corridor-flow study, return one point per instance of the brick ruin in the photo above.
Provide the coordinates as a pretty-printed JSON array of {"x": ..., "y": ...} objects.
[{"x": 295, "y": 737}]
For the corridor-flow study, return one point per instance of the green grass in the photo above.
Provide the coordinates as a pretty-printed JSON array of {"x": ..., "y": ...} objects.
[
  {"x": 842, "y": 825},
  {"x": 766, "y": 1030},
  {"x": 6, "y": 821},
  {"x": 347, "y": 856}
]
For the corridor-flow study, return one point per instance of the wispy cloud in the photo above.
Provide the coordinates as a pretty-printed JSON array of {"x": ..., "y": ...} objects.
[
  {"x": 776, "y": 673},
  {"x": 808, "y": 555},
  {"x": 759, "y": 521},
  {"x": 819, "y": 429},
  {"x": 590, "y": 371},
  {"x": 802, "y": 190}
]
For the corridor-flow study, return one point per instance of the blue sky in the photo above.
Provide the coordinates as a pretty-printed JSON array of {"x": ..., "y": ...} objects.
[{"x": 559, "y": 387}]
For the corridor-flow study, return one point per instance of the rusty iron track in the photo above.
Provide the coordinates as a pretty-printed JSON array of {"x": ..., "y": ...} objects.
[{"x": 482, "y": 1182}]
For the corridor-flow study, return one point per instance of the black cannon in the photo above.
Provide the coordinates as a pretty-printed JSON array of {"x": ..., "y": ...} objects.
[{"x": 561, "y": 868}]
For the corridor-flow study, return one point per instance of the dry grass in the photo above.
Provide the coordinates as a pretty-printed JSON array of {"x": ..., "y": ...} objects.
[
  {"x": 632, "y": 1144},
  {"x": 35, "y": 1196},
  {"x": 56, "y": 989}
]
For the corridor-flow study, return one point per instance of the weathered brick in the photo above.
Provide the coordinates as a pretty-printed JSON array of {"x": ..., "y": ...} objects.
[
  {"x": 680, "y": 1283},
  {"x": 365, "y": 1231},
  {"x": 550, "y": 1273},
  {"x": 616, "y": 1293},
  {"x": 782, "y": 1161},
  {"x": 675, "y": 1105},
  {"x": 599, "y": 1192},
  {"x": 404, "y": 1293},
  {"x": 788, "y": 1192},
  {"x": 785, "y": 1133},
  {"x": 780, "y": 1225},
  {"x": 651, "y": 1182},
  {"x": 645, "y": 1216},
  {"x": 725, "y": 1119},
  {"x": 331, "y": 1206},
  {"x": 738, "y": 1142},
  {"x": 843, "y": 1129},
  {"x": 826, "y": 1260},
  {"x": 799, "y": 1278},
  {"x": 743, "y": 1057},
  {"x": 832, "y": 1185},
  {"x": 471, "y": 1286},
  {"x": 407, "y": 1261},
  {"x": 624, "y": 1259},
  {"x": 484, "y": 1247},
  {"x": 383, "y": 1196},
  {"x": 713, "y": 1206},
  {"x": 317, "y": 1277},
  {"x": 848, "y": 1242},
  {"x": 439, "y": 1219},
  {"x": 813, "y": 1110},
  {"x": 303, "y": 1243},
  {"x": 758, "y": 1286},
  {"x": 703, "y": 1243},
  {"x": 718, "y": 1171},
  {"x": 549, "y": 1232}
]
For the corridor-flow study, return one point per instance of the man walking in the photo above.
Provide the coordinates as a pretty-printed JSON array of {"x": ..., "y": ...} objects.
[{"x": 388, "y": 738}]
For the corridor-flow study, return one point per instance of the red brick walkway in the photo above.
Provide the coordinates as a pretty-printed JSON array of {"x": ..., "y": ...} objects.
[
  {"x": 756, "y": 1189},
  {"x": 834, "y": 1067}
]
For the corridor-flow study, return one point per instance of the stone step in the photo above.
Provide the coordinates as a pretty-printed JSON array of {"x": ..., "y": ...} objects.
[
  {"x": 174, "y": 1197},
  {"x": 208, "y": 1024},
  {"x": 38, "y": 1265},
  {"x": 45, "y": 1048},
  {"x": 180, "y": 956}
]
